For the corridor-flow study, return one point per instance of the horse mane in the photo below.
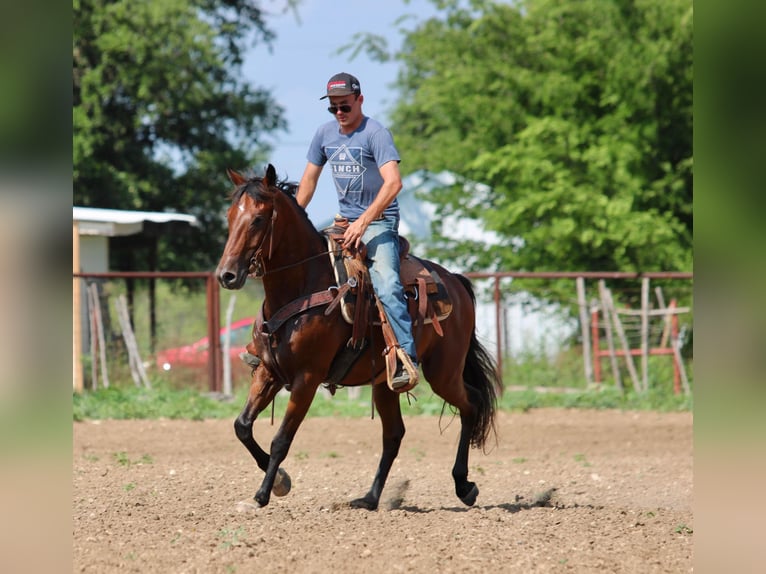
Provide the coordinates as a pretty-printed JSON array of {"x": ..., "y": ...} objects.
[{"x": 256, "y": 188}]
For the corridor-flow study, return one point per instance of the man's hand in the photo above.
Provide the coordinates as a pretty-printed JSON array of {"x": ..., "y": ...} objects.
[{"x": 353, "y": 234}]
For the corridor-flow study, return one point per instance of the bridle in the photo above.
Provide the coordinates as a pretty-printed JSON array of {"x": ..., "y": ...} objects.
[{"x": 257, "y": 261}]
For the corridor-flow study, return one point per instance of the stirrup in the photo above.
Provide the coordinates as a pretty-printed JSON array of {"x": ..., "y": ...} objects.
[{"x": 396, "y": 379}]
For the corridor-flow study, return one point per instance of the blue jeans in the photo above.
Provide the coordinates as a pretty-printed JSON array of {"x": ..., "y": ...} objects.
[{"x": 382, "y": 241}]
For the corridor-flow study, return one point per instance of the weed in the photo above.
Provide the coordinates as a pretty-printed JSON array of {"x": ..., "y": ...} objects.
[
  {"x": 683, "y": 529},
  {"x": 581, "y": 458},
  {"x": 418, "y": 453},
  {"x": 130, "y": 486},
  {"x": 230, "y": 537},
  {"x": 519, "y": 460},
  {"x": 122, "y": 458}
]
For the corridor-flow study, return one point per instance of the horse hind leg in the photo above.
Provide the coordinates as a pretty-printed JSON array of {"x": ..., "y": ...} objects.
[
  {"x": 451, "y": 388},
  {"x": 387, "y": 404}
]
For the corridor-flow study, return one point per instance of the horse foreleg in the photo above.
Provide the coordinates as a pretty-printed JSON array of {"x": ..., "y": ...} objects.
[
  {"x": 466, "y": 490},
  {"x": 276, "y": 479},
  {"x": 387, "y": 404},
  {"x": 263, "y": 389}
]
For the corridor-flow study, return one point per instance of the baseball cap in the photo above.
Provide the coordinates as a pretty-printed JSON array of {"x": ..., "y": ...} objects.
[{"x": 342, "y": 84}]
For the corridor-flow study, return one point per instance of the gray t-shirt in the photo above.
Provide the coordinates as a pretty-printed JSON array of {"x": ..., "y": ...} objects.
[{"x": 354, "y": 161}]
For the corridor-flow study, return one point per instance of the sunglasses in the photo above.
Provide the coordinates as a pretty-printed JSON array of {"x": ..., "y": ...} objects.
[{"x": 345, "y": 108}]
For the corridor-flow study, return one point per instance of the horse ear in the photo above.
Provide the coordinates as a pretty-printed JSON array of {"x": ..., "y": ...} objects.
[
  {"x": 235, "y": 177},
  {"x": 271, "y": 176}
]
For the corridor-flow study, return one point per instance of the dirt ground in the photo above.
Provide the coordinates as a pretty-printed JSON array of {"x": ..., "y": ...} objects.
[{"x": 563, "y": 491}]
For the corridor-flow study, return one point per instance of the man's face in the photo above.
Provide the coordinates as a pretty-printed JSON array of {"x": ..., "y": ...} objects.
[{"x": 347, "y": 110}]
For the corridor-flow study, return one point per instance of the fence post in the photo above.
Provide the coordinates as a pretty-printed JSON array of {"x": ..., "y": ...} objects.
[
  {"x": 498, "y": 330},
  {"x": 213, "y": 329},
  {"x": 77, "y": 374},
  {"x": 645, "y": 333},
  {"x": 582, "y": 303}
]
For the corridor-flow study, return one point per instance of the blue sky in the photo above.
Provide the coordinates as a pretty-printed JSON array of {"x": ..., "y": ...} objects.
[{"x": 302, "y": 60}]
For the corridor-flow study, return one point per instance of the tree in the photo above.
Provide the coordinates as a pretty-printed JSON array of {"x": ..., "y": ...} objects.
[
  {"x": 159, "y": 111},
  {"x": 577, "y": 116}
]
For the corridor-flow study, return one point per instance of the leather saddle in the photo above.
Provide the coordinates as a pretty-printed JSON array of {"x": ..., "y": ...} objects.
[{"x": 427, "y": 297}]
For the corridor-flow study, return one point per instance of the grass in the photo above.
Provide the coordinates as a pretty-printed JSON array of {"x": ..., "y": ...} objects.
[{"x": 163, "y": 401}]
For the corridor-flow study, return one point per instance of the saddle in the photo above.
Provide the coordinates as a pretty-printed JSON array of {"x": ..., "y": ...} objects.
[{"x": 428, "y": 300}]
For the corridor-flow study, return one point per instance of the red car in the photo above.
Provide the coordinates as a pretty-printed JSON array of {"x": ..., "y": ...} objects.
[{"x": 195, "y": 355}]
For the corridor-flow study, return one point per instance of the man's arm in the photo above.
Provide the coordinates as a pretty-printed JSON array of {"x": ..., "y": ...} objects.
[
  {"x": 308, "y": 184},
  {"x": 392, "y": 185}
]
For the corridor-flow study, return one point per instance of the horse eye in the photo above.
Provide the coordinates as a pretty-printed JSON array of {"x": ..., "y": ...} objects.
[{"x": 257, "y": 220}]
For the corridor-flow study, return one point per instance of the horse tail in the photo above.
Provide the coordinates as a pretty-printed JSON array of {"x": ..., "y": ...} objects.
[{"x": 482, "y": 382}]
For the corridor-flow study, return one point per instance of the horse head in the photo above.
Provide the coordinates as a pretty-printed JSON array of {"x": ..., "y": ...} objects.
[{"x": 251, "y": 218}]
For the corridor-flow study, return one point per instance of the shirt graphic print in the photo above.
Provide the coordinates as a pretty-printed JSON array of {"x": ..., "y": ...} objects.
[{"x": 347, "y": 169}]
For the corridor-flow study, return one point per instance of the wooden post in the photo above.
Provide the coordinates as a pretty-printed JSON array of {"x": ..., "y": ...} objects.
[
  {"x": 608, "y": 330},
  {"x": 666, "y": 326},
  {"x": 215, "y": 372},
  {"x": 100, "y": 335},
  {"x": 137, "y": 370},
  {"x": 677, "y": 358},
  {"x": 645, "y": 333},
  {"x": 93, "y": 340},
  {"x": 596, "y": 344},
  {"x": 624, "y": 341},
  {"x": 76, "y": 312},
  {"x": 225, "y": 352},
  {"x": 498, "y": 331},
  {"x": 582, "y": 304}
]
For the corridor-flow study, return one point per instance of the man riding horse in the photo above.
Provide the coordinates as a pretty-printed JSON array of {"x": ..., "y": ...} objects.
[{"x": 365, "y": 168}]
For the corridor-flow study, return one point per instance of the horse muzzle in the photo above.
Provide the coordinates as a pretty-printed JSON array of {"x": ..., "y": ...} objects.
[{"x": 231, "y": 278}]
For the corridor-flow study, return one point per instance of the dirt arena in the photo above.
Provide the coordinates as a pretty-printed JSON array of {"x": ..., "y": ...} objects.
[{"x": 563, "y": 491}]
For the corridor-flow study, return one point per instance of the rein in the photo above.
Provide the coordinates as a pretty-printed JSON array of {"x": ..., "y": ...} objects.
[{"x": 291, "y": 265}]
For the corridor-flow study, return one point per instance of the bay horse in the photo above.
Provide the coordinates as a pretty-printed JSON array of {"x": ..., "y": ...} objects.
[{"x": 270, "y": 232}]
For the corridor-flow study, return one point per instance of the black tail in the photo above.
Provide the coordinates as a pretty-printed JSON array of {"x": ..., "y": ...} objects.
[{"x": 482, "y": 381}]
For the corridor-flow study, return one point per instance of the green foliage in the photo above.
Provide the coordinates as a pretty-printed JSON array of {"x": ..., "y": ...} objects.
[
  {"x": 576, "y": 115},
  {"x": 159, "y": 112}
]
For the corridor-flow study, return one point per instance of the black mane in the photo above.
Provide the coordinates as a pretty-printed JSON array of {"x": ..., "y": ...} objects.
[{"x": 254, "y": 186}]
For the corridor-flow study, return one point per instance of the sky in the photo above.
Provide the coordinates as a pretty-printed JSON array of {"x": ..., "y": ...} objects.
[{"x": 303, "y": 58}]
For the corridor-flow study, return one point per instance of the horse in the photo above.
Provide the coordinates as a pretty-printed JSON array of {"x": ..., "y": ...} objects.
[{"x": 271, "y": 237}]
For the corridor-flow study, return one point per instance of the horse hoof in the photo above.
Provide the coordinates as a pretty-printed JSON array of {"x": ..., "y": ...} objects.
[
  {"x": 261, "y": 499},
  {"x": 365, "y": 503},
  {"x": 470, "y": 498},
  {"x": 282, "y": 483}
]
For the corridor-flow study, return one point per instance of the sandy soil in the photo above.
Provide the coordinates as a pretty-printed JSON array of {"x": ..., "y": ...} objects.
[{"x": 563, "y": 491}]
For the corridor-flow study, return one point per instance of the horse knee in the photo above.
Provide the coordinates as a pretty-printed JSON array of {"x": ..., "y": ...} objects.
[{"x": 243, "y": 429}]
